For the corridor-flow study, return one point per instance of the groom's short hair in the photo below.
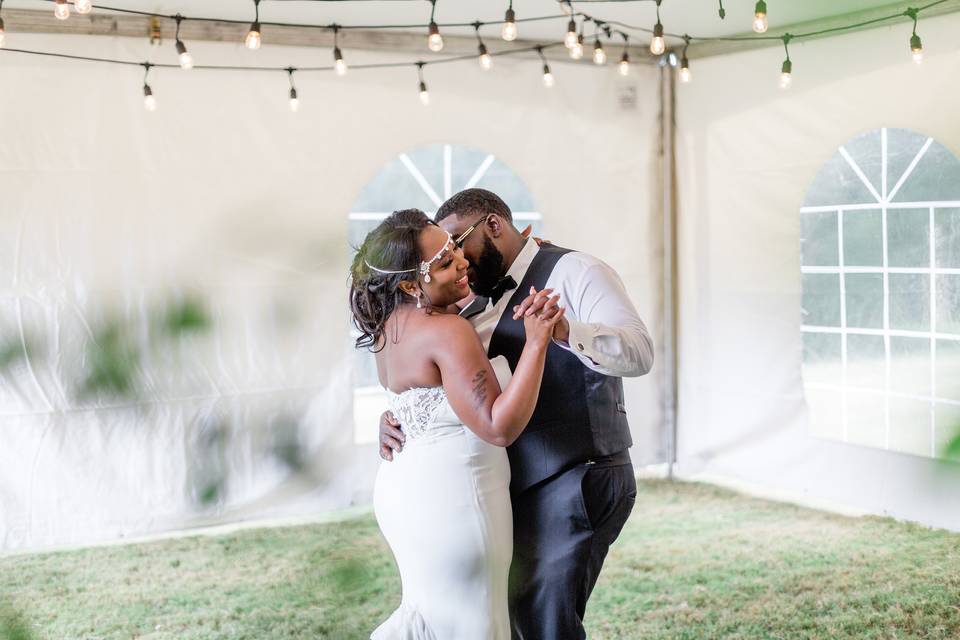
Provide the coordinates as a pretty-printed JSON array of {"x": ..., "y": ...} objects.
[{"x": 470, "y": 202}]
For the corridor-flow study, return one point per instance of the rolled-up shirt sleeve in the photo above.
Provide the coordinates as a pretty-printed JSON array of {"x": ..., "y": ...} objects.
[{"x": 606, "y": 332}]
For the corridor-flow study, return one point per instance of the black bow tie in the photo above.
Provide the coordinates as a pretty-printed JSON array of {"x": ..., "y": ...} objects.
[{"x": 504, "y": 284}]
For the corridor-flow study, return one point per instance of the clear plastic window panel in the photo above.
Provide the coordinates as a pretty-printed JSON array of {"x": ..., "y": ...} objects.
[{"x": 880, "y": 278}]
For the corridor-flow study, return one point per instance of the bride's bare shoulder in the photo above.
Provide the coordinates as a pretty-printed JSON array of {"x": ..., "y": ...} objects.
[
  {"x": 450, "y": 329},
  {"x": 451, "y": 323}
]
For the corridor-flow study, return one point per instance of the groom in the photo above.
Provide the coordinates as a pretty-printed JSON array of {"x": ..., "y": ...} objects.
[{"x": 572, "y": 482}]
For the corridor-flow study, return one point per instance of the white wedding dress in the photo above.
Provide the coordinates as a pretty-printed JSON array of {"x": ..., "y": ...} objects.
[{"x": 443, "y": 505}]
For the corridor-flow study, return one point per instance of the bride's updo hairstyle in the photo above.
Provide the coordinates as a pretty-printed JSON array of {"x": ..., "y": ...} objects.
[{"x": 389, "y": 255}]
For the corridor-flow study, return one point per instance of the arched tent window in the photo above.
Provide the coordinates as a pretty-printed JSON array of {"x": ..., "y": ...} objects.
[
  {"x": 422, "y": 179},
  {"x": 880, "y": 265}
]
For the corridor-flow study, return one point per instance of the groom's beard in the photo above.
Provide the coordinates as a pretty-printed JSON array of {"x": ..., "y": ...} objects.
[{"x": 488, "y": 269}]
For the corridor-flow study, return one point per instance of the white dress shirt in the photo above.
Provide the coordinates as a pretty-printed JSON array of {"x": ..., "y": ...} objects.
[{"x": 606, "y": 333}]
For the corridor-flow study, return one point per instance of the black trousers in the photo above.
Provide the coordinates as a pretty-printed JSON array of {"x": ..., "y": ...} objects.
[{"x": 562, "y": 529}]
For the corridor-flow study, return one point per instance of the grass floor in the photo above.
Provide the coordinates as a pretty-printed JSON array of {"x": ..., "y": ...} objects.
[{"x": 695, "y": 561}]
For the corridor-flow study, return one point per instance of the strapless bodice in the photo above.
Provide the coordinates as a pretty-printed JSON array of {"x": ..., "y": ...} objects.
[{"x": 421, "y": 410}]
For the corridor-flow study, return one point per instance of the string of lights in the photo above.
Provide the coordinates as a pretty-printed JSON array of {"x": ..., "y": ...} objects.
[
  {"x": 150, "y": 101},
  {"x": 573, "y": 40},
  {"x": 760, "y": 26},
  {"x": 326, "y": 26}
]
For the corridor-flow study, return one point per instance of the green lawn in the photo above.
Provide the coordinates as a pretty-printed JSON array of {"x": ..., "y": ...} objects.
[{"x": 694, "y": 562}]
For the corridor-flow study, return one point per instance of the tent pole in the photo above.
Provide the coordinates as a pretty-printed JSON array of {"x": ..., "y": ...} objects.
[{"x": 669, "y": 217}]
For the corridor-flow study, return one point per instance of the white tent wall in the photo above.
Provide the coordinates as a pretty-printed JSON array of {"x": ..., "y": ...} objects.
[
  {"x": 110, "y": 214},
  {"x": 747, "y": 152}
]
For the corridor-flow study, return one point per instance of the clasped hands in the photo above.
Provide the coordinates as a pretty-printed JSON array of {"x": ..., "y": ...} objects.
[{"x": 545, "y": 307}]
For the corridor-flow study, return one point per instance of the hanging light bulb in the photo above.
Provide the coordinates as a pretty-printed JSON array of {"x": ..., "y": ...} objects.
[
  {"x": 509, "y": 30},
  {"x": 576, "y": 51},
  {"x": 434, "y": 39},
  {"x": 916, "y": 48},
  {"x": 684, "y": 73},
  {"x": 599, "y": 55},
  {"x": 253, "y": 38},
  {"x": 294, "y": 100},
  {"x": 424, "y": 94},
  {"x": 338, "y": 64},
  {"x": 149, "y": 102},
  {"x": 786, "y": 79},
  {"x": 186, "y": 60},
  {"x": 61, "y": 9},
  {"x": 486, "y": 62},
  {"x": 547, "y": 76},
  {"x": 624, "y": 66},
  {"x": 657, "y": 44},
  {"x": 570, "y": 40},
  {"x": 83, "y": 7},
  {"x": 785, "y": 71},
  {"x": 760, "y": 17},
  {"x": 3, "y": 34}
]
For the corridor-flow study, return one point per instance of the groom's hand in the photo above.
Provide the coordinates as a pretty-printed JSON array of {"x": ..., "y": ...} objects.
[
  {"x": 391, "y": 437},
  {"x": 540, "y": 303}
]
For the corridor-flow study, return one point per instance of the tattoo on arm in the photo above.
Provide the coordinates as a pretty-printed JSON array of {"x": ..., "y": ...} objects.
[{"x": 479, "y": 389}]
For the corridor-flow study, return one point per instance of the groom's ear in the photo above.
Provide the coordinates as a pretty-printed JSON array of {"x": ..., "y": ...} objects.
[{"x": 495, "y": 225}]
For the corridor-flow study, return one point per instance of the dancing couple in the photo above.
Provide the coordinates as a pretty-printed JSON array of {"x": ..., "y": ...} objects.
[{"x": 506, "y": 473}]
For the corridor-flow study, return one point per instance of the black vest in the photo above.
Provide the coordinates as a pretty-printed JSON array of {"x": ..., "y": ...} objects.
[{"x": 580, "y": 413}]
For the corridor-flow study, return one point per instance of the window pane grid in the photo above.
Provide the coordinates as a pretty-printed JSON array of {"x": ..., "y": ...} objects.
[
  {"x": 919, "y": 297},
  {"x": 844, "y": 330}
]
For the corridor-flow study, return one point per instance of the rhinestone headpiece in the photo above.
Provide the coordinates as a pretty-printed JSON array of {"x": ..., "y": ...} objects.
[{"x": 424, "y": 267}]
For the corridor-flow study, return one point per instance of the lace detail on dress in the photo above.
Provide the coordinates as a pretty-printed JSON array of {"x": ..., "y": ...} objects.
[{"x": 417, "y": 408}]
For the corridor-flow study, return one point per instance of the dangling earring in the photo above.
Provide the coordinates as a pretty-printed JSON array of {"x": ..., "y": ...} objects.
[{"x": 419, "y": 306}]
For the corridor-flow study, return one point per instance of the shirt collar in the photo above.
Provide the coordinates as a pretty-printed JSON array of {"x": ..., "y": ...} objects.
[{"x": 523, "y": 260}]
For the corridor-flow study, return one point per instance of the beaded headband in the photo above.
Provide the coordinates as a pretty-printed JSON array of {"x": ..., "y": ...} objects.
[{"x": 424, "y": 267}]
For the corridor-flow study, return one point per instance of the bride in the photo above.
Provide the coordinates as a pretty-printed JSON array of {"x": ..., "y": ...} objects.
[{"x": 444, "y": 504}]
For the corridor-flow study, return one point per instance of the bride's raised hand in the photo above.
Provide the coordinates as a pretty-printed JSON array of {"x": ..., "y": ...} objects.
[{"x": 539, "y": 324}]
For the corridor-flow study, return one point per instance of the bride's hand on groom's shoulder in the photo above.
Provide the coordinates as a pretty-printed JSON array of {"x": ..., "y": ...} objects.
[
  {"x": 391, "y": 437},
  {"x": 526, "y": 234}
]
